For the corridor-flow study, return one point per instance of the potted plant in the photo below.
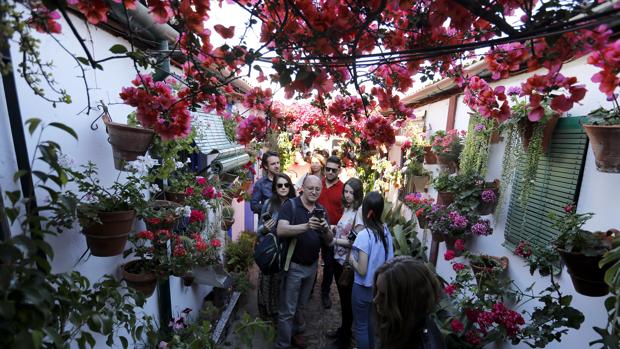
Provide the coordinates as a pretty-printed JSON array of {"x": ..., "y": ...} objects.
[
  {"x": 128, "y": 142},
  {"x": 487, "y": 268},
  {"x": 161, "y": 214},
  {"x": 445, "y": 186},
  {"x": 228, "y": 217},
  {"x": 239, "y": 255},
  {"x": 448, "y": 146},
  {"x": 581, "y": 250},
  {"x": 152, "y": 260},
  {"x": 105, "y": 214},
  {"x": 420, "y": 206},
  {"x": 187, "y": 253},
  {"x": 489, "y": 197},
  {"x": 448, "y": 224},
  {"x": 603, "y": 129}
]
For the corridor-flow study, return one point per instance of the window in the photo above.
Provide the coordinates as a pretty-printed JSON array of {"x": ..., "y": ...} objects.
[{"x": 557, "y": 183}]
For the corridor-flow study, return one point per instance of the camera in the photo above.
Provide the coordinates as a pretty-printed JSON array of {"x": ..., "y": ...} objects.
[
  {"x": 266, "y": 216},
  {"x": 318, "y": 213},
  {"x": 352, "y": 235}
]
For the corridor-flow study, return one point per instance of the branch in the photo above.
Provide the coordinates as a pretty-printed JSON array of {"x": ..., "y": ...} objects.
[
  {"x": 476, "y": 8},
  {"x": 78, "y": 37}
]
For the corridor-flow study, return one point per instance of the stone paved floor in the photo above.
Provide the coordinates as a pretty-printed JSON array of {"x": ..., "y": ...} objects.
[{"x": 318, "y": 320}]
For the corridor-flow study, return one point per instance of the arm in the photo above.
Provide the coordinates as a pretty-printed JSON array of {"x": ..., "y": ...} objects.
[
  {"x": 257, "y": 195},
  {"x": 285, "y": 229},
  {"x": 360, "y": 265}
]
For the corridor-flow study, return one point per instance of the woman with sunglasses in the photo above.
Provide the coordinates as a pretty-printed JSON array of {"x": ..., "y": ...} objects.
[
  {"x": 268, "y": 285},
  {"x": 346, "y": 229}
]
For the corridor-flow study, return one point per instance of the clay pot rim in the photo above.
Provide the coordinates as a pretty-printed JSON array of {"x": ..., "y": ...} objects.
[
  {"x": 132, "y": 262},
  {"x": 601, "y": 126},
  {"x": 107, "y": 120}
]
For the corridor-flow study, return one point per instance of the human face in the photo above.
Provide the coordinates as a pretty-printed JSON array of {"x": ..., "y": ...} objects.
[
  {"x": 379, "y": 297},
  {"x": 273, "y": 165},
  {"x": 315, "y": 165},
  {"x": 331, "y": 171},
  {"x": 348, "y": 195},
  {"x": 282, "y": 187},
  {"x": 312, "y": 189}
]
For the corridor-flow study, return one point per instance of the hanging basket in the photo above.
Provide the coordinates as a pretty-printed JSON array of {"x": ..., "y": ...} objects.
[
  {"x": 429, "y": 156},
  {"x": 142, "y": 282},
  {"x": 445, "y": 198},
  {"x": 587, "y": 277},
  {"x": 109, "y": 238},
  {"x": 127, "y": 142},
  {"x": 527, "y": 130},
  {"x": 605, "y": 141}
]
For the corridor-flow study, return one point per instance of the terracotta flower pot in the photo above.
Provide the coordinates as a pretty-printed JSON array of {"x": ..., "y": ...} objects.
[
  {"x": 527, "y": 130},
  {"x": 162, "y": 224},
  {"x": 109, "y": 238},
  {"x": 143, "y": 282},
  {"x": 495, "y": 137},
  {"x": 485, "y": 208},
  {"x": 127, "y": 142},
  {"x": 485, "y": 270},
  {"x": 605, "y": 141},
  {"x": 188, "y": 280},
  {"x": 429, "y": 156},
  {"x": 179, "y": 198},
  {"x": 587, "y": 277},
  {"x": 449, "y": 162},
  {"x": 422, "y": 222},
  {"x": 445, "y": 198},
  {"x": 420, "y": 182}
]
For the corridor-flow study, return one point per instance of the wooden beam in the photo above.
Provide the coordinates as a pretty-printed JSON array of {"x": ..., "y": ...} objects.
[{"x": 451, "y": 113}]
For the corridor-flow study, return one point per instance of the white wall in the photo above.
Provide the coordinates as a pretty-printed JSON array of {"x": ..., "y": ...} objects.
[
  {"x": 600, "y": 193},
  {"x": 92, "y": 146}
]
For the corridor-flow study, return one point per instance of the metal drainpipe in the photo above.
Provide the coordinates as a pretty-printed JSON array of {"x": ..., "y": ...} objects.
[
  {"x": 19, "y": 143},
  {"x": 164, "y": 299}
]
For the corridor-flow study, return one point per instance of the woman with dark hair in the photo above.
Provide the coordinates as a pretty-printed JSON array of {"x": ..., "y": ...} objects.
[
  {"x": 346, "y": 228},
  {"x": 268, "y": 285},
  {"x": 405, "y": 293},
  {"x": 372, "y": 247}
]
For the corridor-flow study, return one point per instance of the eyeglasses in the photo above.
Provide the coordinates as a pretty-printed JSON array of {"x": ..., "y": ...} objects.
[
  {"x": 283, "y": 185},
  {"x": 331, "y": 169}
]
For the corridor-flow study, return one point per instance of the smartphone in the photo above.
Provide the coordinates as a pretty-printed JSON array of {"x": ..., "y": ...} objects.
[
  {"x": 266, "y": 216},
  {"x": 318, "y": 213}
]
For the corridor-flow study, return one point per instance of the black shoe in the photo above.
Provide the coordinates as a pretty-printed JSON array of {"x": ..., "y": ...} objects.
[{"x": 327, "y": 302}]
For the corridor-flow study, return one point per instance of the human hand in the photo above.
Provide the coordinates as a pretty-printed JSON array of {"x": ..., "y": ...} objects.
[{"x": 315, "y": 223}]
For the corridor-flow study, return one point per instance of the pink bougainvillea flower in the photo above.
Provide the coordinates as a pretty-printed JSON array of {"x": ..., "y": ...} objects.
[{"x": 225, "y": 32}]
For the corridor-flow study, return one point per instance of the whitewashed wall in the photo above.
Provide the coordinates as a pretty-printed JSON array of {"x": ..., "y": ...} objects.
[
  {"x": 92, "y": 146},
  {"x": 600, "y": 193}
]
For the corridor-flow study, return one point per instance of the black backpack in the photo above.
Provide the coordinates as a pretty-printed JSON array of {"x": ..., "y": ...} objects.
[{"x": 268, "y": 251}]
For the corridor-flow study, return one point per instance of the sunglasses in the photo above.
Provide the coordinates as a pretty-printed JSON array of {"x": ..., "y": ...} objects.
[
  {"x": 331, "y": 169},
  {"x": 283, "y": 185}
]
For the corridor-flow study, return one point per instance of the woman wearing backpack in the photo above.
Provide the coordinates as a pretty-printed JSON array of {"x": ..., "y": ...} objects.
[
  {"x": 268, "y": 285},
  {"x": 371, "y": 249},
  {"x": 348, "y": 225}
]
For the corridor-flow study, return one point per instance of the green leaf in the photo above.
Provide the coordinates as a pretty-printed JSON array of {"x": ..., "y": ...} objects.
[
  {"x": 124, "y": 342},
  {"x": 65, "y": 128},
  {"x": 83, "y": 60},
  {"x": 118, "y": 49},
  {"x": 19, "y": 174},
  {"x": 32, "y": 124},
  {"x": 13, "y": 196}
]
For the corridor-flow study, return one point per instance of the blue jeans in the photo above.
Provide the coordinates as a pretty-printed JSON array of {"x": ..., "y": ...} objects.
[
  {"x": 295, "y": 286},
  {"x": 361, "y": 300}
]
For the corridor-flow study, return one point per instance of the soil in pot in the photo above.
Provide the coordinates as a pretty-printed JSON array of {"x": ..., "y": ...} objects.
[
  {"x": 144, "y": 282},
  {"x": 605, "y": 141},
  {"x": 109, "y": 238},
  {"x": 127, "y": 142},
  {"x": 445, "y": 198},
  {"x": 587, "y": 277}
]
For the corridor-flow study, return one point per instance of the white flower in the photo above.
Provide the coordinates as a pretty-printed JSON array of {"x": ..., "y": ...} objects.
[
  {"x": 142, "y": 165},
  {"x": 188, "y": 160},
  {"x": 186, "y": 211},
  {"x": 90, "y": 199},
  {"x": 204, "y": 203},
  {"x": 154, "y": 188},
  {"x": 178, "y": 165},
  {"x": 66, "y": 160}
]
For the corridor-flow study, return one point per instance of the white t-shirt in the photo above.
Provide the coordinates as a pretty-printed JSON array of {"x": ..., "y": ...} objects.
[{"x": 344, "y": 226}]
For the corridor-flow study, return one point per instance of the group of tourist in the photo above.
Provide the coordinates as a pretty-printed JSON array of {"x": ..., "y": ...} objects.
[{"x": 337, "y": 220}]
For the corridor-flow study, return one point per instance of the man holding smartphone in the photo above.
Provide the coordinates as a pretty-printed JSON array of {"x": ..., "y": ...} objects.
[
  {"x": 308, "y": 224},
  {"x": 331, "y": 199}
]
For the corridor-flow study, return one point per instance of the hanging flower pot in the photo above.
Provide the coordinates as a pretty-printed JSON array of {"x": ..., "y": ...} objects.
[
  {"x": 127, "y": 142},
  {"x": 605, "y": 141},
  {"x": 587, "y": 277},
  {"x": 445, "y": 198},
  {"x": 486, "y": 268},
  {"x": 161, "y": 214},
  {"x": 420, "y": 182},
  {"x": 188, "y": 280},
  {"x": 527, "y": 130},
  {"x": 136, "y": 278},
  {"x": 108, "y": 238},
  {"x": 429, "y": 156}
]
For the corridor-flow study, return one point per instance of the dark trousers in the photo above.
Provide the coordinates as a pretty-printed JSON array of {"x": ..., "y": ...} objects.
[
  {"x": 346, "y": 308},
  {"x": 327, "y": 253}
]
